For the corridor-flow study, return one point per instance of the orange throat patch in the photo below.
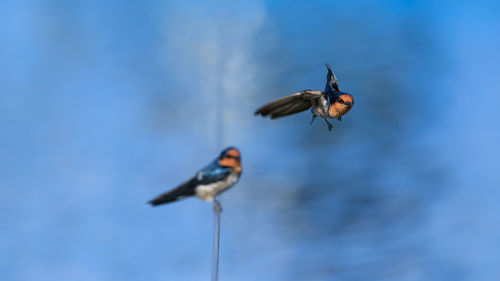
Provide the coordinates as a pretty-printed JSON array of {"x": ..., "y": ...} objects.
[
  {"x": 338, "y": 109},
  {"x": 231, "y": 163}
]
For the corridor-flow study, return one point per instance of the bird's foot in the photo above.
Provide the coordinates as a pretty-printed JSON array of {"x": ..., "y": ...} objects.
[
  {"x": 312, "y": 120},
  {"x": 340, "y": 118},
  {"x": 217, "y": 206},
  {"x": 330, "y": 126}
]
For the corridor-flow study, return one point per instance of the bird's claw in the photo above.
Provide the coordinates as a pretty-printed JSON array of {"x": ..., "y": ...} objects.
[
  {"x": 217, "y": 206},
  {"x": 312, "y": 120},
  {"x": 330, "y": 126}
]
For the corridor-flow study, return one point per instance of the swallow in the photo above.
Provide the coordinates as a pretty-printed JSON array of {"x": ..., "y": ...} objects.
[
  {"x": 330, "y": 103},
  {"x": 207, "y": 183}
]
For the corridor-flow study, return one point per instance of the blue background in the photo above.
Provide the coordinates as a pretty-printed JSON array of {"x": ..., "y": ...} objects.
[{"x": 105, "y": 104}]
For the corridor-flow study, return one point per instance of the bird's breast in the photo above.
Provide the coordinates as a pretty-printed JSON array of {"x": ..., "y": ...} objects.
[
  {"x": 320, "y": 108},
  {"x": 208, "y": 192}
]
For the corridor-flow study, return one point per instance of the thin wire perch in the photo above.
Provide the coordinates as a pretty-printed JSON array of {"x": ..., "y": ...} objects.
[{"x": 215, "y": 258}]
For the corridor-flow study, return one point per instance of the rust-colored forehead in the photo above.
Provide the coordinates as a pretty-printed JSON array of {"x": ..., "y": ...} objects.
[
  {"x": 233, "y": 152},
  {"x": 347, "y": 98}
]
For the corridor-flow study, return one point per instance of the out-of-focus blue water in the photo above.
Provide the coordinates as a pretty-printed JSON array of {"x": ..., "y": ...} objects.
[{"x": 104, "y": 105}]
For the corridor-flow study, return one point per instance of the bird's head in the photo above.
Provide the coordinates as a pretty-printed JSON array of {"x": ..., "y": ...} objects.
[
  {"x": 346, "y": 99},
  {"x": 341, "y": 105},
  {"x": 230, "y": 157}
]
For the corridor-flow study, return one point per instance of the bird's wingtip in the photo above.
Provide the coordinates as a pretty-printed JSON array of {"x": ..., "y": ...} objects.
[{"x": 328, "y": 67}]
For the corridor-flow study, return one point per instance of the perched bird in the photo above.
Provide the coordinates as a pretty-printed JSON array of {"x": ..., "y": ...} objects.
[
  {"x": 209, "y": 182},
  {"x": 331, "y": 103}
]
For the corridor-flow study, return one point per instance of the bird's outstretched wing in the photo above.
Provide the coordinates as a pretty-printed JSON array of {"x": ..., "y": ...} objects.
[
  {"x": 288, "y": 105},
  {"x": 331, "y": 80},
  {"x": 210, "y": 174}
]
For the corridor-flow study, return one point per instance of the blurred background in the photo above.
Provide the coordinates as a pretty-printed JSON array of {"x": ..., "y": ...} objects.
[{"x": 106, "y": 104}]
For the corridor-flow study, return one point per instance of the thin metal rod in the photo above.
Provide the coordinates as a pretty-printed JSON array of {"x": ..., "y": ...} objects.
[
  {"x": 215, "y": 258},
  {"x": 219, "y": 96}
]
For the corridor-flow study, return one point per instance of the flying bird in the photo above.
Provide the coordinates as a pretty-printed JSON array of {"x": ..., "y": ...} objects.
[
  {"x": 208, "y": 182},
  {"x": 330, "y": 103}
]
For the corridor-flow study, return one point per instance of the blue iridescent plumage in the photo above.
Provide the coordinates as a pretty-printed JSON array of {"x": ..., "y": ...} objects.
[{"x": 213, "y": 172}]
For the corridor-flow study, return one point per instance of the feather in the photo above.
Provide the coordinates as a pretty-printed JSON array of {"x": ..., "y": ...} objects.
[
  {"x": 289, "y": 105},
  {"x": 290, "y": 109},
  {"x": 331, "y": 80},
  {"x": 183, "y": 190}
]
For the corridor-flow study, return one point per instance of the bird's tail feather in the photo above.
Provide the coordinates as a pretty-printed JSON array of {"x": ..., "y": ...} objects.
[{"x": 184, "y": 190}]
